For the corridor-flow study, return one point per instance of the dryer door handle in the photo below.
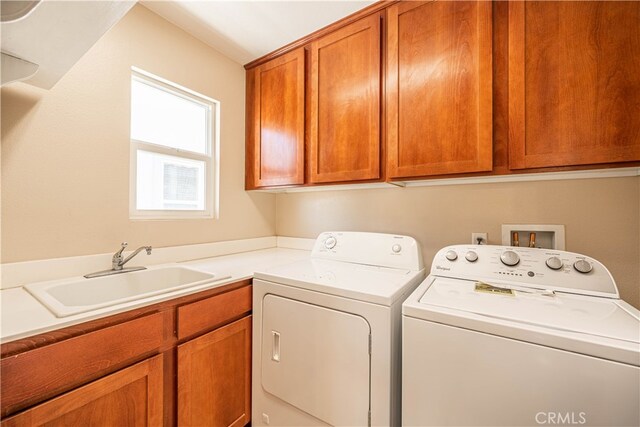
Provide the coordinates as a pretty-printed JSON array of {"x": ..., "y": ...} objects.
[{"x": 275, "y": 348}]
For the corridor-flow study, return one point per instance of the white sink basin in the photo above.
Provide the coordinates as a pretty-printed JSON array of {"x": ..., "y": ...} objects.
[{"x": 78, "y": 295}]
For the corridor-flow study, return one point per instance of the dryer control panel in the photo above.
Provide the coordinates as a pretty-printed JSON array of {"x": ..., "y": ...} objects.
[
  {"x": 384, "y": 250},
  {"x": 528, "y": 267}
]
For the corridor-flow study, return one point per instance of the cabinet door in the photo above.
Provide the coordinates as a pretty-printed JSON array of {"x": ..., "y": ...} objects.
[
  {"x": 130, "y": 397},
  {"x": 439, "y": 88},
  {"x": 214, "y": 377},
  {"x": 344, "y": 106},
  {"x": 574, "y": 84},
  {"x": 275, "y": 134}
]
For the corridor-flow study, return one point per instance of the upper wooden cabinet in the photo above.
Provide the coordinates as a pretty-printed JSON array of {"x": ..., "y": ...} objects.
[
  {"x": 439, "y": 91},
  {"x": 574, "y": 83},
  {"x": 470, "y": 87},
  {"x": 344, "y": 104},
  {"x": 275, "y": 122}
]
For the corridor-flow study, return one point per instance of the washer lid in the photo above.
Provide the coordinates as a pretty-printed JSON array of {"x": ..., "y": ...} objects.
[
  {"x": 593, "y": 316},
  {"x": 379, "y": 285}
]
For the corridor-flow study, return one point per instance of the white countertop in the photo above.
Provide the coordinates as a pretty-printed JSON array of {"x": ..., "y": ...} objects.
[{"x": 22, "y": 315}]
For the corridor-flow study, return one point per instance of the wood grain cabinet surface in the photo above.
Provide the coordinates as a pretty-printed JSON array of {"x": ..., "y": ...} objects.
[
  {"x": 439, "y": 88},
  {"x": 41, "y": 373},
  {"x": 344, "y": 104},
  {"x": 130, "y": 397},
  {"x": 471, "y": 88},
  {"x": 214, "y": 377},
  {"x": 275, "y": 122},
  {"x": 574, "y": 83},
  {"x": 184, "y": 361}
]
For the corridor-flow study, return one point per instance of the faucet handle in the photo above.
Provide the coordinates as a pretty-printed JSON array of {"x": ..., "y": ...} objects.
[{"x": 118, "y": 255}]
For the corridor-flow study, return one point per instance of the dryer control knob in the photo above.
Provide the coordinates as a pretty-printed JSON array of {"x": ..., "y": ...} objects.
[
  {"x": 451, "y": 255},
  {"x": 330, "y": 242},
  {"x": 554, "y": 263},
  {"x": 396, "y": 248},
  {"x": 583, "y": 266},
  {"x": 509, "y": 258},
  {"x": 471, "y": 256}
]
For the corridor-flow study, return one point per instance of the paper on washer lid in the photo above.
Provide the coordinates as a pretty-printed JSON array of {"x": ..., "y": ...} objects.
[{"x": 596, "y": 316}]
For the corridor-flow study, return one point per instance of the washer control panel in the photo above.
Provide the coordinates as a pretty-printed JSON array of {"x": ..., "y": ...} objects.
[{"x": 529, "y": 267}]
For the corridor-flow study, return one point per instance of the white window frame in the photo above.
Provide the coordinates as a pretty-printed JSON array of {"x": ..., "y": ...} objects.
[{"x": 210, "y": 158}]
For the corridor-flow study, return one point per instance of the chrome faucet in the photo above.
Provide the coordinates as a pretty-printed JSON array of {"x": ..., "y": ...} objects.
[{"x": 117, "y": 263}]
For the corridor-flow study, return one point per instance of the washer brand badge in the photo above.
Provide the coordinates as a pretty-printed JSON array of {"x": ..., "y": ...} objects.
[{"x": 442, "y": 268}]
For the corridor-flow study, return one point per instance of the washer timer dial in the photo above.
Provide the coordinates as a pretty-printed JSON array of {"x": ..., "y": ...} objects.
[
  {"x": 554, "y": 263},
  {"x": 471, "y": 256},
  {"x": 509, "y": 258},
  {"x": 583, "y": 266}
]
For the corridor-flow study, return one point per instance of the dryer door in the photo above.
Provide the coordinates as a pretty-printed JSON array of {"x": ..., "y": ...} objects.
[{"x": 316, "y": 359}]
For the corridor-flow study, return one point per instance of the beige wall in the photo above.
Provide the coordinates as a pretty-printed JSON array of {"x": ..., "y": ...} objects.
[
  {"x": 65, "y": 152},
  {"x": 601, "y": 216},
  {"x": 65, "y": 173}
]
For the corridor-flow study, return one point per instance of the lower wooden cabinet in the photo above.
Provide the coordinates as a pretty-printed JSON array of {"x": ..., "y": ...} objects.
[
  {"x": 182, "y": 362},
  {"x": 130, "y": 397},
  {"x": 214, "y": 377}
]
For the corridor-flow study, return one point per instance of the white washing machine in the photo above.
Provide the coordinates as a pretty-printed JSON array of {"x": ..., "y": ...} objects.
[
  {"x": 516, "y": 336},
  {"x": 326, "y": 332}
]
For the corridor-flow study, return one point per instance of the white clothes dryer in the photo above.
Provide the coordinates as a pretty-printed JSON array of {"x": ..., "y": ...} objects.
[
  {"x": 326, "y": 332},
  {"x": 517, "y": 336}
]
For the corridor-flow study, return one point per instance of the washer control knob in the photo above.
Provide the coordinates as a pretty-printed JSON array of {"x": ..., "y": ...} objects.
[
  {"x": 330, "y": 242},
  {"x": 583, "y": 266},
  {"x": 471, "y": 256},
  {"x": 396, "y": 248},
  {"x": 451, "y": 255},
  {"x": 554, "y": 263},
  {"x": 509, "y": 258}
]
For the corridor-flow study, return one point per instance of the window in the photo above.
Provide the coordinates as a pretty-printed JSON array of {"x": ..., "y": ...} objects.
[{"x": 174, "y": 146}]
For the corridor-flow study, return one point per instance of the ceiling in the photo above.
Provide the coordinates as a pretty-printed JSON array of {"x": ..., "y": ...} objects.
[
  {"x": 52, "y": 35},
  {"x": 246, "y": 30}
]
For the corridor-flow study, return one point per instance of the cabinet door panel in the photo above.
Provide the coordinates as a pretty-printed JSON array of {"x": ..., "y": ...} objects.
[
  {"x": 39, "y": 374},
  {"x": 214, "y": 377},
  {"x": 130, "y": 397},
  {"x": 574, "y": 85},
  {"x": 344, "y": 129},
  {"x": 278, "y": 121},
  {"x": 204, "y": 315},
  {"x": 439, "y": 88}
]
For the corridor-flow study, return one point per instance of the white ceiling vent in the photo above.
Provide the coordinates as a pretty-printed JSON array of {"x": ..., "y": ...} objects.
[
  {"x": 53, "y": 35},
  {"x": 12, "y": 10}
]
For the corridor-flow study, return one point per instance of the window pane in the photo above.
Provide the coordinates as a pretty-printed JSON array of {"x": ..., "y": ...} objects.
[
  {"x": 169, "y": 183},
  {"x": 164, "y": 118}
]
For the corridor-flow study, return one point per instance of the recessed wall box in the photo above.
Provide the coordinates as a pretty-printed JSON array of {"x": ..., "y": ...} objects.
[{"x": 545, "y": 236}]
